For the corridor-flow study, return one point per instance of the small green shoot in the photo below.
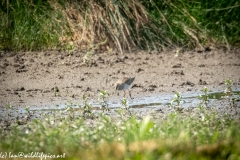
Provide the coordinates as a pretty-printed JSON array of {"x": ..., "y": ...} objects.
[
  {"x": 70, "y": 110},
  {"x": 176, "y": 100},
  {"x": 204, "y": 97},
  {"x": 8, "y": 110},
  {"x": 102, "y": 100},
  {"x": 87, "y": 108},
  {"x": 125, "y": 105},
  {"x": 56, "y": 91},
  {"x": 228, "y": 92},
  {"x": 201, "y": 107},
  {"x": 9, "y": 106},
  {"x": 28, "y": 112}
]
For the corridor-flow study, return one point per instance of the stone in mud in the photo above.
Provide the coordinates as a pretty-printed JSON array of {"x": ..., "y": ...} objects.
[
  {"x": 201, "y": 82},
  {"x": 187, "y": 83},
  {"x": 177, "y": 66},
  {"x": 177, "y": 72},
  {"x": 140, "y": 70}
]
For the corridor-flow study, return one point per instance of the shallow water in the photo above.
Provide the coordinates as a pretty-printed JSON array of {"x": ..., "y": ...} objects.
[{"x": 189, "y": 100}]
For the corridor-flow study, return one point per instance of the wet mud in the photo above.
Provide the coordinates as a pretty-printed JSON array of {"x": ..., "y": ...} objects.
[{"x": 44, "y": 80}]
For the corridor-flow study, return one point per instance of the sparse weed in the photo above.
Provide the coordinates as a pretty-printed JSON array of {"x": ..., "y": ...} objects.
[
  {"x": 102, "y": 100},
  {"x": 56, "y": 91},
  {"x": 87, "y": 108},
  {"x": 28, "y": 112},
  {"x": 70, "y": 110},
  {"x": 204, "y": 97},
  {"x": 177, "y": 100},
  {"x": 124, "y": 105},
  {"x": 228, "y": 92},
  {"x": 8, "y": 107},
  {"x": 201, "y": 107}
]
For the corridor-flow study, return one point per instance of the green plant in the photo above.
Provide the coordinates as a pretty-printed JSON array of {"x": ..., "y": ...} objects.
[
  {"x": 56, "y": 91},
  {"x": 124, "y": 105},
  {"x": 102, "y": 100},
  {"x": 204, "y": 97},
  {"x": 177, "y": 100},
  {"x": 28, "y": 113},
  {"x": 87, "y": 108},
  {"x": 9, "y": 107},
  {"x": 69, "y": 108},
  {"x": 228, "y": 92},
  {"x": 201, "y": 107}
]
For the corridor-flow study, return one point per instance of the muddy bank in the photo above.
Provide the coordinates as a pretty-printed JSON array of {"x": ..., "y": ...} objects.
[{"x": 53, "y": 78}]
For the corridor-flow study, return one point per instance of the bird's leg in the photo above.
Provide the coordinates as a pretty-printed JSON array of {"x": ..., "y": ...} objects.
[
  {"x": 124, "y": 95},
  {"x": 130, "y": 94}
]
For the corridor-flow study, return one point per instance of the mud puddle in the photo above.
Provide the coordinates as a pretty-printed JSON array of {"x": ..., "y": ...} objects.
[{"x": 137, "y": 104}]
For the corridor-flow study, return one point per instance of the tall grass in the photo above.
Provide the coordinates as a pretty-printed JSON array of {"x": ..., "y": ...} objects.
[
  {"x": 124, "y": 24},
  {"x": 110, "y": 24},
  {"x": 221, "y": 20},
  {"x": 30, "y": 25},
  {"x": 197, "y": 23}
]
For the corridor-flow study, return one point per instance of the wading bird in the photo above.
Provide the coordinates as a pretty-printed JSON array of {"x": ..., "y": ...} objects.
[{"x": 124, "y": 84}]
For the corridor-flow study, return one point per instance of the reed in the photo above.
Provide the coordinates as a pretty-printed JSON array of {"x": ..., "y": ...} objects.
[{"x": 122, "y": 25}]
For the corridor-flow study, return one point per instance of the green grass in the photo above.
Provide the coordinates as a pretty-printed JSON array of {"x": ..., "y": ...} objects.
[
  {"x": 30, "y": 25},
  {"x": 194, "y": 135},
  {"x": 125, "y": 25},
  {"x": 198, "y": 23}
]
